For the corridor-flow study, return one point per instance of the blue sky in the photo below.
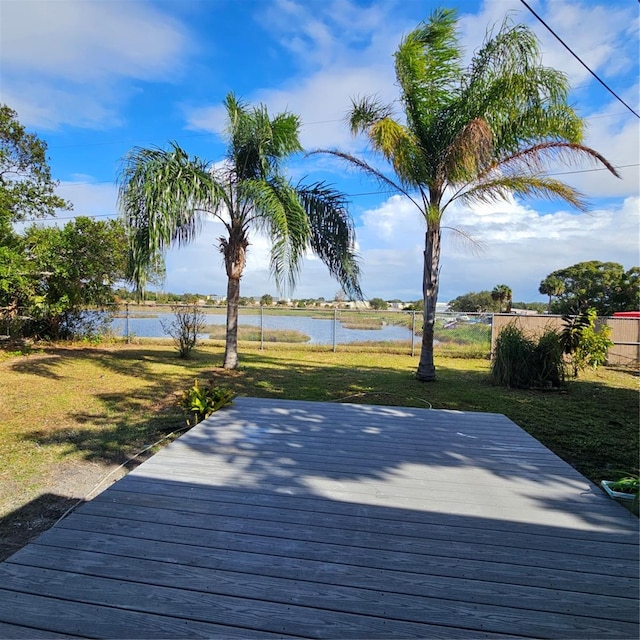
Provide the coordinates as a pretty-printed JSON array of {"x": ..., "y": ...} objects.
[{"x": 96, "y": 77}]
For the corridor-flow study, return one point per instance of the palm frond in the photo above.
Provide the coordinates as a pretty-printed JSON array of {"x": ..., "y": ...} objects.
[
  {"x": 383, "y": 180},
  {"x": 258, "y": 143},
  {"x": 163, "y": 195},
  {"x": 469, "y": 152},
  {"x": 428, "y": 69},
  {"x": 365, "y": 112},
  {"x": 537, "y": 186},
  {"x": 466, "y": 241},
  {"x": 522, "y": 100},
  {"x": 277, "y": 211},
  {"x": 537, "y": 157},
  {"x": 332, "y": 236}
]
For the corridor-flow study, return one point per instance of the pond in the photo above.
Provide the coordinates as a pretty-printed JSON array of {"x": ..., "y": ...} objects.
[{"x": 319, "y": 330}]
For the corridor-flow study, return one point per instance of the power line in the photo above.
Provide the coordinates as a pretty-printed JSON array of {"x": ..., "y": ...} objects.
[
  {"x": 187, "y": 135},
  {"x": 559, "y": 39},
  {"x": 563, "y": 173},
  {"x": 348, "y": 195},
  {"x": 210, "y": 133}
]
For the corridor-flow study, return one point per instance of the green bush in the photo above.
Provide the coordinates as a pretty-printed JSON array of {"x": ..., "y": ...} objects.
[
  {"x": 520, "y": 362},
  {"x": 199, "y": 403},
  {"x": 586, "y": 345}
]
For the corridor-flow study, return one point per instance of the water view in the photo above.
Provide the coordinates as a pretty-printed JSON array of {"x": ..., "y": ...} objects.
[{"x": 319, "y": 330}]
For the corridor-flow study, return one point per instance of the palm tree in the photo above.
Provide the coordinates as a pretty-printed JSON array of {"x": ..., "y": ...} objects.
[
  {"x": 165, "y": 195},
  {"x": 472, "y": 135},
  {"x": 502, "y": 293},
  {"x": 551, "y": 286}
]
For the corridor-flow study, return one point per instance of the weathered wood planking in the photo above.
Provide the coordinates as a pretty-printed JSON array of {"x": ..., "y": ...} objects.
[{"x": 296, "y": 519}]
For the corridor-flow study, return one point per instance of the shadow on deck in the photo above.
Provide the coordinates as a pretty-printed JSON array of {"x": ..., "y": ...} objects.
[{"x": 297, "y": 519}]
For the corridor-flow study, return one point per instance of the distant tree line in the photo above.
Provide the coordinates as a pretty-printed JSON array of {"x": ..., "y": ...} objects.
[{"x": 604, "y": 286}]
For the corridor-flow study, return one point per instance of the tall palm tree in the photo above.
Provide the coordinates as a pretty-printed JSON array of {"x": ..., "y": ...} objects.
[
  {"x": 165, "y": 195},
  {"x": 551, "y": 286},
  {"x": 502, "y": 293},
  {"x": 477, "y": 134}
]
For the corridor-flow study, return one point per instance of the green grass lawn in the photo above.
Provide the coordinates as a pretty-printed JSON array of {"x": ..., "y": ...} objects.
[{"x": 99, "y": 405}]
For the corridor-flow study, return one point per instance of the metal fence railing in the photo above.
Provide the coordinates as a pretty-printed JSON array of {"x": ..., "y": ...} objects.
[
  {"x": 319, "y": 326},
  {"x": 284, "y": 324}
]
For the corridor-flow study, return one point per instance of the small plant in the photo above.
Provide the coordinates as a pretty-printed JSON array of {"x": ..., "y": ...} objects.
[
  {"x": 627, "y": 484},
  {"x": 625, "y": 490},
  {"x": 188, "y": 322},
  {"x": 199, "y": 403}
]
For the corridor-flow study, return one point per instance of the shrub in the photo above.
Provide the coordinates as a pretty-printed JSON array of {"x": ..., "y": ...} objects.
[
  {"x": 510, "y": 366},
  {"x": 199, "y": 403},
  {"x": 585, "y": 345},
  {"x": 521, "y": 362},
  {"x": 548, "y": 365},
  {"x": 188, "y": 322}
]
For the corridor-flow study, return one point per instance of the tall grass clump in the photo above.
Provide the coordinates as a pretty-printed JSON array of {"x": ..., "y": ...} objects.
[
  {"x": 521, "y": 362},
  {"x": 510, "y": 366}
]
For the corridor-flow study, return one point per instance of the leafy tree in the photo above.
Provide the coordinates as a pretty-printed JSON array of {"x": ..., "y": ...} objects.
[
  {"x": 474, "y": 302},
  {"x": 26, "y": 186},
  {"x": 472, "y": 135},
  {"x": 71, "y": 268},
  {"x": 266, "y": 300},
  {"x": 16, "y": 281},
  {"x": 164, "y": 195},
  {"x": 378, "y": 303},
  {"x": 551, "y": 286},
  {"x": 502, "y": 294},
  {"x": 603, "y": 286},
  {"x": 416, "y": 305}
]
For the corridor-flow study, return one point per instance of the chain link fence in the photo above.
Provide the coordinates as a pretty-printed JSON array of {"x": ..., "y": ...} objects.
[{"x": 392, "y": 330}]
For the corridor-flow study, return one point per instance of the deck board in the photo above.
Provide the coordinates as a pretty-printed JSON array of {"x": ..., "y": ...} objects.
[{"x": 297, "y": 519}]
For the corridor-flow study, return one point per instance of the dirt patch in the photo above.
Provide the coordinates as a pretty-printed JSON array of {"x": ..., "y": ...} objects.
[{"x": 72, "y": 484}]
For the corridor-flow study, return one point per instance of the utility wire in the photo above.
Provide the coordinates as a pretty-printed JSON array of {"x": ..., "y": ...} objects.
[
  {"x": 348, "y": 195},
  {"x": 561, "y": 41},
  {"x": 80, "y": 145},
  {"x": 374, "y": 193}
]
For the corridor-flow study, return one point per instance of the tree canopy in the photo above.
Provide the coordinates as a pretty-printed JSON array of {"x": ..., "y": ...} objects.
[
  {"x": 475, "y": 302},
  {"x": 503, "y": 296},
  {"x": 604, "y": 286},
  {"x": 378, "y": 303},
  {"x": 48, "y": 274},
  {"x": 51, "y": 274},
  {"x": 475, "y": 134},
  {"x": 26, "y": 187}
]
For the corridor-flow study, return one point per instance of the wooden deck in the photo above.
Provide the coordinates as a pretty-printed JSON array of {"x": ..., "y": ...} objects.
[{"x": 297, "y": 519}]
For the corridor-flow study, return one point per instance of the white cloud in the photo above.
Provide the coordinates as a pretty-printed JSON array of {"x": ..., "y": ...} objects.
[
  {"x": 341, "y": 49},
  {"x": 88, "y": 197},
  {"x": 521, "y": 247},
  {"x": 64, "y": 61}
]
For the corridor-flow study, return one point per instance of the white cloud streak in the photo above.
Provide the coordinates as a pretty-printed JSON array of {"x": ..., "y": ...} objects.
[{"x": 65, "y": 62}]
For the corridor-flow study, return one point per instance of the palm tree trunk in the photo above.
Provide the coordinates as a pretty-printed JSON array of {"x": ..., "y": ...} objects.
[
  {"x": 231, "y": 342},
  {"x": 234, "y": 250},
  {"x": 426, "y": 368}
]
